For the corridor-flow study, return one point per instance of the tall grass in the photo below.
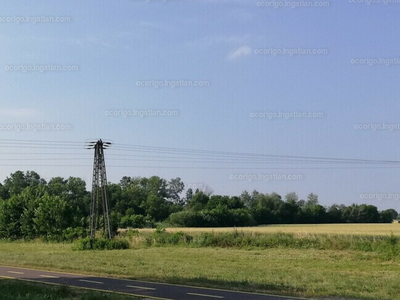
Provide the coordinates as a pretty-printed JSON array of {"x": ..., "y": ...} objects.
[
  {"x": 349, "y": 229},
  {"x": 304, "y": 272},
  {"x": 101, "y": 244},
  {"x": 386, "y": 245}
]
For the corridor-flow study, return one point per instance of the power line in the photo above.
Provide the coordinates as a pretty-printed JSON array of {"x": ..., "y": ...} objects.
[
  {"x": 224, "y": 154},
  {"x": 180, "y": 155},
  {"x": 41, "y": 141},
  {"x": 203, "y": 168}
]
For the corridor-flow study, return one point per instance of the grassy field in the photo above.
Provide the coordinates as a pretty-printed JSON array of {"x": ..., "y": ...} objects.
[
  {"x": 347, "y": 229},
  {"x": 280, "y": 269},
  {"x": 20, "y": 290}
]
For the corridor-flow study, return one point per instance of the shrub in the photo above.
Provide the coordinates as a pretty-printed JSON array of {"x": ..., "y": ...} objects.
[
  {"x": 135, "y": 221},
  {"x": 130, "y": 233},
  {"x": 71, "y": 234},
  {"x": 101, "y": 244},
  {"x": 160, "y": 230},
  {"x": 161, "y": 237},
  {"x": 217, "y": 217}
]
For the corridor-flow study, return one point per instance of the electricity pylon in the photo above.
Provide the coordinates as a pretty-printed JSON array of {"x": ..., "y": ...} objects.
[{"x": 99, "y": 189}]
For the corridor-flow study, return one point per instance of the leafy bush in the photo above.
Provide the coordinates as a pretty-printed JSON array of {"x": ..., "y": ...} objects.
[
  {"x": 135, "y": 221},
  {"x": 160, "y": 230},
  {"x": 101, "y": 244},
  {"x": 217, "y": 217},
  {"x": 161, "y": 237},
  {"x": 187, "y": 219},
  {"x": 71, "y": 234},
  {"x": 129, "y": 233}
]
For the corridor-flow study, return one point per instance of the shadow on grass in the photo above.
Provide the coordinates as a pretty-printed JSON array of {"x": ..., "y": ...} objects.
[
  {"x": 241, "y": 286},
  {"x": 12, "y": 289}
]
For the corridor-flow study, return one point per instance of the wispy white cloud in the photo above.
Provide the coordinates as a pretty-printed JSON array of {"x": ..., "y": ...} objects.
[
  {"x": 150, "y": 25},
  {"x": 105, "y": 39},
  {"x": 218, "y": 39},
  {"x": 80, "y": 41},
  {"x": 241, "y": 15},
  {"x": 19, "y": 112},
  {"x": 239, "y": 52},
  {"x": 225, "y": 1},
  {"x": 227, "y": 40}
]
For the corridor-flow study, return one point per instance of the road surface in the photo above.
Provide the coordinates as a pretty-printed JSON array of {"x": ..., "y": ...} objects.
[{"x": 132, "y": 287}]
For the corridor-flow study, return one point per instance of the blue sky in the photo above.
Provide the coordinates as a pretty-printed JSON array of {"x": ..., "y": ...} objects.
[{"x": 116, "y": 44}]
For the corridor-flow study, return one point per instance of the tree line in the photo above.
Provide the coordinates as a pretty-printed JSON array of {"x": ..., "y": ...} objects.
[{"x": 58, "y": 209}]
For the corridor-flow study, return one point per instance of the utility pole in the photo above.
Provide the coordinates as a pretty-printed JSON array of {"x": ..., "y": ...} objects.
[{"x": 99, "y": 189}]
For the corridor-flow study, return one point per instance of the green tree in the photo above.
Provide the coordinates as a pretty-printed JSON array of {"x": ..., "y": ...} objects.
[
  {"x": 246, "y": 198},
  {"x": 15, "y": 184},
  {"x": 156, "y": 207},
  {"x": 189, "y": 195},
  {"x": 198, "y": 202},
  {"x": 336, "y": 214},
  {"x": 52, "y": 216},
  {"x": 73, "y": 190},
  {"x": 386, "y": 216},
  {"x": 31, "y": 197},
  {"x": 292, "y": 198},
  {"x": 11, "y": 211},
  {"x": 368, "y": 214},
  {"x": 312, "y": 199},
  {"x": 174, "y": 189},
  {"x": 393, "y": 212}
]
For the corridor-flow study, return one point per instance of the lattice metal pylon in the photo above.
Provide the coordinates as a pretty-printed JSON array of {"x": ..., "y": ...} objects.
[{"x": 99, "y": 189}]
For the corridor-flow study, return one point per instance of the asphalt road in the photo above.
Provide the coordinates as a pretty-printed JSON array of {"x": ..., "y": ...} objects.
[{"x": 132, "y": 287}]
